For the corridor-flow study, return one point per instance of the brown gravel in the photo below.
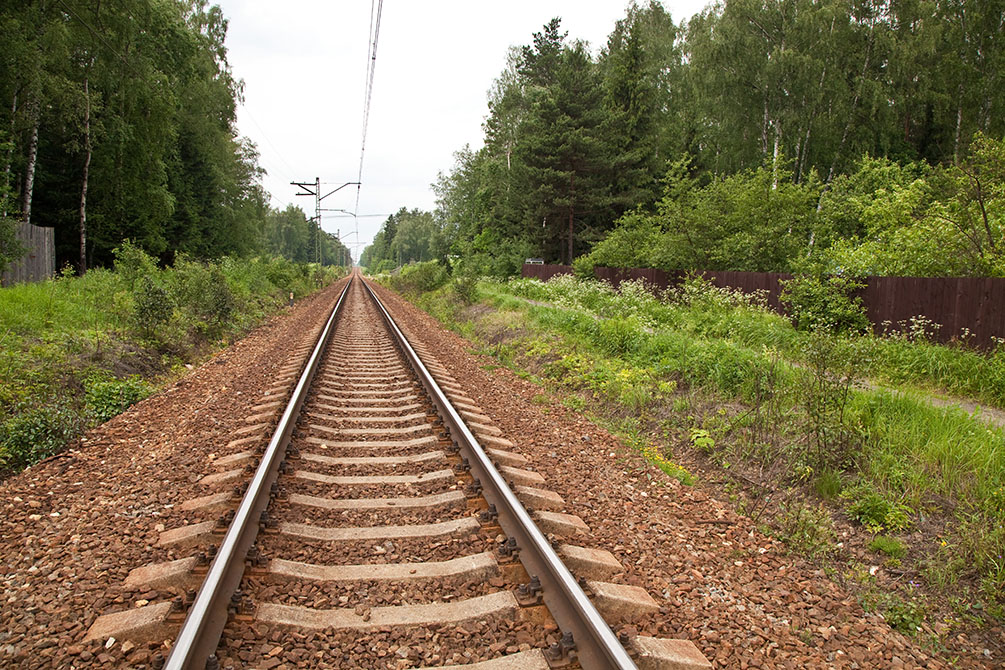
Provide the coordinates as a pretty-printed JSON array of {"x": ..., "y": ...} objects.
[
  {"x": 722, "y": 584},
  {"x": 75, "y": 525},
  {"x": 248, "y": 644}
]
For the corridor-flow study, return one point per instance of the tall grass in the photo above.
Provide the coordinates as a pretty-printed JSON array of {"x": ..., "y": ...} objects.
[
  {"x": 900, "y": 457},
  {"x": 908, "y": 357},
  {"x": 75, "y": 351}
]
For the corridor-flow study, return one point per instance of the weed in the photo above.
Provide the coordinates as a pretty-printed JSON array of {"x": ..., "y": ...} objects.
[
  {"x": 106, "y": 398},
  {"x": 874, "y": 511},
  {"x": 702, "y": 440},
  {"x": 36, "y": 431},
  {"x": 826, "y": 394},
  {"x": 806, "y": 529},
  {"x": 828, "y": 484},
  {"x": 574, "y": 402},
  {"x": 891, "y": 546},
  {"x": 903, "y": 614},
  {"x": 466, "y": 289},
  {"x": 153, "y": 306}
]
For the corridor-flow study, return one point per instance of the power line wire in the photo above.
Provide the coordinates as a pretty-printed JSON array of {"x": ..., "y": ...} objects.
[
  {"x": 373, "y": 36},
  {"x": 269, "y": 140}
]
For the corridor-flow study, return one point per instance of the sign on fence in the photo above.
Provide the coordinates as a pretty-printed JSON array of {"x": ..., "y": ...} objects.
[{"x": 40, "y": 260}]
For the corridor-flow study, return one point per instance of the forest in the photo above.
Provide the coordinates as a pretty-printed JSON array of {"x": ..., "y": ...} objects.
[
  {"x": 845, "y": 135},
  {"x": 117, "y": 122}
]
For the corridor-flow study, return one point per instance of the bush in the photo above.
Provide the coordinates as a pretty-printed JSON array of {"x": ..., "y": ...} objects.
[
  {"x": 420, "y": 277},
  {"x": 106, "y": 398},
  {"x": 828, "y": 303},
  {"x": 466, "y": 288},
  {"x": 132, "y": 263},
  {"x": 874, "y": 511},
  {"x": 806, "y": 529},
  {"x": 202, "y": 291},
  {"x": 582, "y": 267},
  {"x": 153, "y": 306},
  {"x": 35, "y": 432}
]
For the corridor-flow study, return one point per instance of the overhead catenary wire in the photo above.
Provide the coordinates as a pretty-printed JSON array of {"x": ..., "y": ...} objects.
[
  {"x": 373, "y": 36},
  {"x": 251, "y": 117}
]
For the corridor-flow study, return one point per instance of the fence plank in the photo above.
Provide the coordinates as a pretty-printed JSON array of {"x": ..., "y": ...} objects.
[{"x": 39, "y": 263}]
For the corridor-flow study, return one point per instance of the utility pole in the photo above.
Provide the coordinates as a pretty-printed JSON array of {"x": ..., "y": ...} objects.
[{"x": 306, "y": 189}]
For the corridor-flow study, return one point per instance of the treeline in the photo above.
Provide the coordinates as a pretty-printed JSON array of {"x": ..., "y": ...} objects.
[
  {"x": 117, "y": 121},
  {"x": 884, "y": 218},
  {"x": 773, "y": 110},
  {"x": 407, "y": 236}
]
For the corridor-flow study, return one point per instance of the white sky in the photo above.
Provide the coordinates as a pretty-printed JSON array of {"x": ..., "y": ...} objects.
[{"x": 304, "y": 65}]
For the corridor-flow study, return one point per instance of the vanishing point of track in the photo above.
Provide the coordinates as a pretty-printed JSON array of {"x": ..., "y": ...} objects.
[{"x": 386, "y": 517}]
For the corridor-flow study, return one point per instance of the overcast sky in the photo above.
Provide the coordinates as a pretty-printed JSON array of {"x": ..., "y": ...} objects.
[{"x": 304, "y": 65}]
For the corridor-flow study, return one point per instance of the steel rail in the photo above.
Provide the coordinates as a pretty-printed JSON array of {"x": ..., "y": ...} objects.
[
  {"x": 596, "y": 644},
  {"x": 203, "y": 626}
]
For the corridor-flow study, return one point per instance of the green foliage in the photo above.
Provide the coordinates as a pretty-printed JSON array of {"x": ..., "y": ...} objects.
[
  {"x": 903, "y": 614},
  {"x": 407, "y": 236},
  {"x": 35, "y": 431},
  {"x": 789, "y": 408},
  {"x": 702, "y": 440},
  {"x": 75, "y": 351},
  {"x": 153, "y": 306},
  {"x": 947, "y": 221},
  {"x": 891, "y": 546},
  {"x": 10, "y": 248},
  {"x": 466, "y": 288},
  {"x": 828, "y": 484},
  {"x": 105, "y": 398},
  {"x": 291, "y": 235},
  {"x": 829, "y": 303},
  {"x": 418, "y": 278},
  {"x": 874, "y": 510},
  {"x": 167, "y": 167},
  {"x": 203, "y": 291},
  {"x": 132, "y": 262},
  {"x": 806, "y": 529}
]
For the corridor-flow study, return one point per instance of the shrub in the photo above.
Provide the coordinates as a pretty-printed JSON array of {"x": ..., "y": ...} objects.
[
  {"x": 106, "y": 398},
  {"x": 806, "y": 529},
  {"x": 618, "y": 336},
  {"x": 35, "y": 432},
  {"x": 153, "y": 306},
  {"x": 420, "y": 277},
  {"x": 828, "y": 303},
  {"x": 202, "y": 291},
  {"x": 466, "y": 288},
  {"x": 132, "y": 263},
  {"x": 874, "y": 511},
  {"x": 582, "y": 267}
]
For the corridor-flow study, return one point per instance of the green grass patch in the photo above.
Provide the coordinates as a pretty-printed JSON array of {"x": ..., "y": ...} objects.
[
  {"x": 76, "y": 351},
  {"x": 716, "y": 373},
  {"x": 891, "y": 546}
]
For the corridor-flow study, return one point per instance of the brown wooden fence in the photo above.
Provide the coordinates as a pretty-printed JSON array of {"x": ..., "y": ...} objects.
[
  {"x": 958, "y": 304},
  {"x": 39, "y": 262}
]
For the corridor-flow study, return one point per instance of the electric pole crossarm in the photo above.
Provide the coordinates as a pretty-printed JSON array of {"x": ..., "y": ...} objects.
[
  {"x": 348, "y": 183},
  {"x": 303, "y": 187}
]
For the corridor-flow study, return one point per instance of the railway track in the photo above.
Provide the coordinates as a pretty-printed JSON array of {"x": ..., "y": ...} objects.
[{"x": 387, "y": 523}]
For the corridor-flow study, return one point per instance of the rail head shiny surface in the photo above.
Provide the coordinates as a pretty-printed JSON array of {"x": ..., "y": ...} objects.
[
  {"x": 601, "y": 648},
  {"x": 197, "y": 639}
]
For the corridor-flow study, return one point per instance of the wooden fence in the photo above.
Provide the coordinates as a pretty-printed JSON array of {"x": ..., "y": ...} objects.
[
  {"x": 974, "y": 305},
  {"x": 40, "y": 260}
]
